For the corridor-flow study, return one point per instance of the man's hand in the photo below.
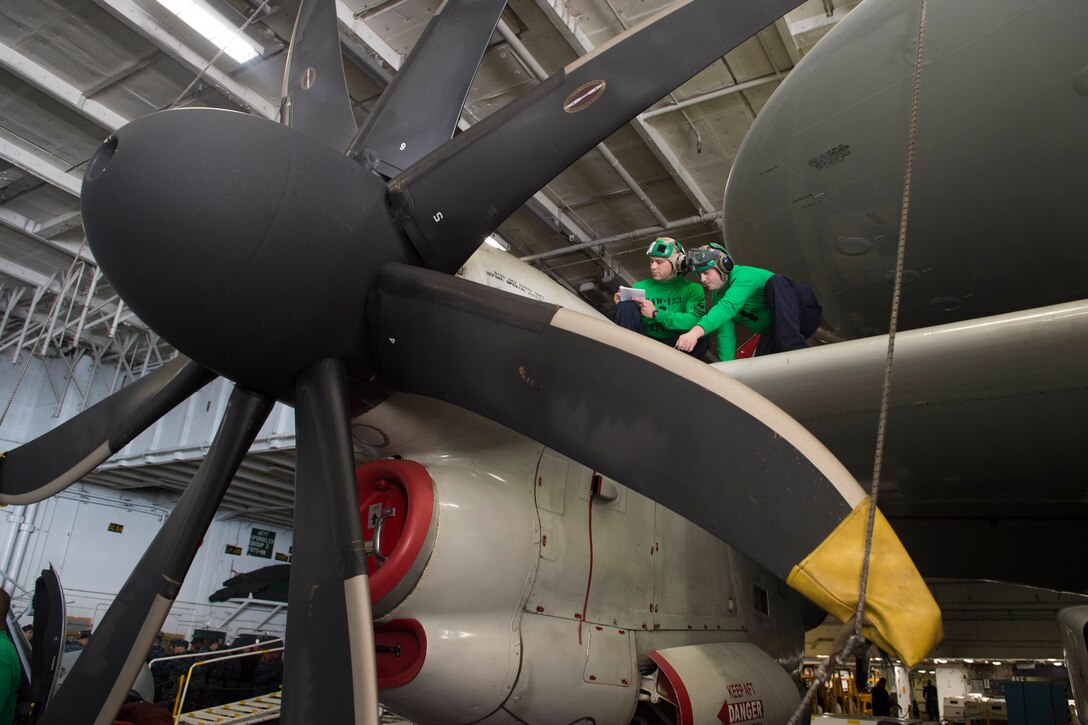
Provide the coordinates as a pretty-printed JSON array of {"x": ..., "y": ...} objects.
[
  {"x": 686, "y": 342},
  {"x": 616, "y": 298},
  {"x": 648, "y": 309}
]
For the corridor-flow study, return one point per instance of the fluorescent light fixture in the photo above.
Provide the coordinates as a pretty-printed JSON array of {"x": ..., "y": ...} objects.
[
  {"x": 996, "y": 662},
  {"x": 213, "y": 26},
  {"x": 491, "y": 240},
  {"x": 968, "y": 661}
]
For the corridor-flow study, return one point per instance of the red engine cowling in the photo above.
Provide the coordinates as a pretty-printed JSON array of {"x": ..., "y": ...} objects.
[{"x": 399, "y": 510}]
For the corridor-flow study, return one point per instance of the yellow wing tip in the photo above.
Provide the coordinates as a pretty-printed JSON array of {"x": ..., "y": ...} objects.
[{"x": 905, "y": 619}]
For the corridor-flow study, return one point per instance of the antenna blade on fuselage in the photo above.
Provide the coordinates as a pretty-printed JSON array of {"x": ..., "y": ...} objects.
[
  {"x": 57, "y": 459},
  {"x": 419, "y": 110},
  {"x": 660, "y": 422},
  {"x": 315, "y": 92},
  {"x": 459, "y": 194}
]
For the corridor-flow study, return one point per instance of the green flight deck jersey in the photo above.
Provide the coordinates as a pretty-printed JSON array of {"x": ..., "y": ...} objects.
[
  {"x": 741, "y": 297},
  {"x": 679, "y": 304},
  {"x": 9, "y": 679}
]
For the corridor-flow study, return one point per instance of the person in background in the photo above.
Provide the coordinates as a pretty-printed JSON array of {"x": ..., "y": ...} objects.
[
  {"x": 157, "y": 650},
  {"x": 929, "y": 693},
  {"x": 882, "y": 704},
  {"x": 9, "y": 665},
  {"x": 28, "y": 632},
  {"x": 785, "y": 313},
  {"x": 673, "y": 303},
  {"x": 169, "y": 671}
]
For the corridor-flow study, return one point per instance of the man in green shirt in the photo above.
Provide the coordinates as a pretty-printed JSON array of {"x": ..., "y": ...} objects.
[
  {"x": 672, "y": 304},
  {"x": 784, "y": 312},
  {"x": 9, "y": 665}
]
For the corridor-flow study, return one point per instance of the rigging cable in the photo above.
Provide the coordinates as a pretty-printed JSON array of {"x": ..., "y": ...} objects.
[{"x": 857, "y": 620}]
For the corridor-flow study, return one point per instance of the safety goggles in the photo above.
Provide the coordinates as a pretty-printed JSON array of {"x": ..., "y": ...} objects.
[
  {"x": 704, "y": 259},
  {"x": 661, "y": 248}
]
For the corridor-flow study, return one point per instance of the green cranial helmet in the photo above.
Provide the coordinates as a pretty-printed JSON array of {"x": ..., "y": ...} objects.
[
  {"x": 670, "y": 249},
  {"x": 711, "y": 256}
]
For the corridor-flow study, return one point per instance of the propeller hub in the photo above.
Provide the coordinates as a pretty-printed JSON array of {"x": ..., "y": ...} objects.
[{"x": 247, "y": 245}]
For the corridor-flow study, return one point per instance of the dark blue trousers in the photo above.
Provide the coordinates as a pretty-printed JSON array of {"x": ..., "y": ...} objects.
[
  {"x": 796, "y": 315},
  {"x": 628, "y": 316}
]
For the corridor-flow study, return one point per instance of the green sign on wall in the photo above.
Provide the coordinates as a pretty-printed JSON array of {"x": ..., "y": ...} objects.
[{"x": 261, "y": 542}]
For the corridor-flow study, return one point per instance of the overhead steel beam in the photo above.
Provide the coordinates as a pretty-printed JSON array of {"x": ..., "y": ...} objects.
[
  {"x": 625, "y": 237},
  {"x": 59, "y": 224},
  {"x": 567, "y": 25},
  {"x": 32, "y": 230},
  {"x": 357, "y": 31},
  {"x": 25, "y": 68},
  {"x": 807, "y": 25},
  {"x": 554, "y": 217},
  {"x": 25, "y": 275},
  {"x": 39, "y": 167},
  {"x": 789, "y": 40},
  {"x": 538, "y": 70},
  {"x": 147, "y": 25}
]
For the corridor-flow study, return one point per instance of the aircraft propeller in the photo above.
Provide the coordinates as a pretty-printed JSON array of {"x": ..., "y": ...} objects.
[{"x": 280, "y": 257}]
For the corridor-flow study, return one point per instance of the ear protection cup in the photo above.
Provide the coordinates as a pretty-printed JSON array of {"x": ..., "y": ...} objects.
[{"x": 727, "y": 261}]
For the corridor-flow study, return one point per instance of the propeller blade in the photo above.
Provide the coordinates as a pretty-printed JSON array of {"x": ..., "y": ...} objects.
[
  {"x": 662, "y": 423},
  {"x": 329, "y": 670},
  {"x": 315, "y": 92},
  {"x": 518, "y": 149},
  {"x": 419, "y": 110},
  {"x": 103, "y": 675},
  {"x": 53, "y": 461},
  {"x": 47, "y": 648}
]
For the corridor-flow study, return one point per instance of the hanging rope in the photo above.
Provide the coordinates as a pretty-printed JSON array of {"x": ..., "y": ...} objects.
[{"x": 857, "y": 621}]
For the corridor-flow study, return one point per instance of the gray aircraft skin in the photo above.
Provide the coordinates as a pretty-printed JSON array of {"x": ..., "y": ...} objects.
[
  {"x": 990, "y": 391},
  {"x": 996, "y": 220}
]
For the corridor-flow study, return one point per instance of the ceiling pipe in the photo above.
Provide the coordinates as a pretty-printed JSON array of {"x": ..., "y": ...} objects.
[
  {"x": 626, "y": 236},
  {"x": 738, "y": 88}
]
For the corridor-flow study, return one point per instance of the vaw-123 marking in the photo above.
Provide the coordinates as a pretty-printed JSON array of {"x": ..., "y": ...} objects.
[{"x": 269, "y": 256}]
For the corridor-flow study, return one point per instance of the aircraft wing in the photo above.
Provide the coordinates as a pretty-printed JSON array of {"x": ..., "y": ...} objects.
[{"x": 984, "y": 468}]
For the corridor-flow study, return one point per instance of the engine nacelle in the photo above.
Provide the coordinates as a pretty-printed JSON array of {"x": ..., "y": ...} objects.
[
  {"x": 509, "y": 573},
  {"x": 460, "y": 541},
  {"x": 730, "y": 682}
]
